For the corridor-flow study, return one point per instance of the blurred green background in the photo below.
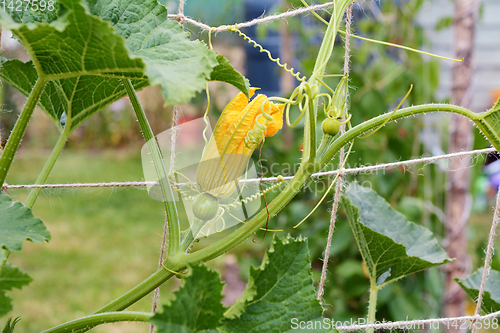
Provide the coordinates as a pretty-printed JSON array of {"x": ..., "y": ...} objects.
[{"x": 104, "y": 241}]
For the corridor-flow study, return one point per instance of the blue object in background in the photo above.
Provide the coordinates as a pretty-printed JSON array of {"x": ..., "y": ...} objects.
[
  {"x": 262, "y": 72},
  {"x": 492, "y": 170},
  {"x": 213, "y": 12}
]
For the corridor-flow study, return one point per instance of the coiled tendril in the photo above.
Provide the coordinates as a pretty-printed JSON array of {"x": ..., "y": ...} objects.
[
  {"x": 250, "y": 41},
  {"x": 301, "y": 96}
]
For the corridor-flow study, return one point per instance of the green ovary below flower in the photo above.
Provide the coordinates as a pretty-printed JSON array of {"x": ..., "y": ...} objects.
[{"x": 226, "y": 155}]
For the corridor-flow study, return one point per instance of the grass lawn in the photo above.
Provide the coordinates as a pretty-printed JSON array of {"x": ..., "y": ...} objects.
[{"x": 104, "y": 241}]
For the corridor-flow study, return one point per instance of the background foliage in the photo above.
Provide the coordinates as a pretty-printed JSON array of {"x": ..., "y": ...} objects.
[{"x": 101, "y": 218}]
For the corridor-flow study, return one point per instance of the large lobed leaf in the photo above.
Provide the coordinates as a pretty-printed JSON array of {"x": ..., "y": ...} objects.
[
  {"x": 391, "y": 246},
  {"x": 181, "y": 66},
  {"x": 279, "y": 291},
  {"x": 491, "y": 296},
  {"x": 77, "y": 98},
  {"x": 280, "y": 297},
  {"x": 17, "y": 225},
  {"x": 85, "y": 52}
]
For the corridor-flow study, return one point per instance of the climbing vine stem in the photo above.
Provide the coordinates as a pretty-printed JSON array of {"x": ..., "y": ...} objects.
[
  {"x": 97, "y": 319},
  {"x": 19, "y": 128},
  {"x": 161, "y": 171},
  {"x": 49, "y": 165}
]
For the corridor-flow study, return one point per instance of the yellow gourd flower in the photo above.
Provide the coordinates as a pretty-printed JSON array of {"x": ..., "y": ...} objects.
[{"x": 225, "y": 156}]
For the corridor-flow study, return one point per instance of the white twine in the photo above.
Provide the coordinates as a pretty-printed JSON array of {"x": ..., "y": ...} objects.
[
  {"x": 487, "y": 260},
  {"x": 338, "y": 188},
  {"x": 269, "y": 179},
  {"x": 182, "y": 18}
]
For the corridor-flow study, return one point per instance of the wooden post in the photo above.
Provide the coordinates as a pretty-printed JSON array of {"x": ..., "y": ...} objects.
[{"x": 458, "y": 200}]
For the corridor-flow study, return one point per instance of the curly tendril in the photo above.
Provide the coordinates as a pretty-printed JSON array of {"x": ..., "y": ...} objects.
[
  {"x": 250, "y": 41},
  {"x": 245, "y": 201}
]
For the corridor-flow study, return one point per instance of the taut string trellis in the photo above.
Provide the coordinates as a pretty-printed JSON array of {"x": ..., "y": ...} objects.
[
  {"x": 385, "y": 325},
  {"x": 342, "y": 157},
  {"x": 371, "y": 168}
]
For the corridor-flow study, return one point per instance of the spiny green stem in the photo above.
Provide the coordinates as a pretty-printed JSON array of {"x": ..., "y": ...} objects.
[
  {"x": 19, "y": 128},
  {"x": 191, "y": 233},
  {"x": 309, "y": 152},
  {"x": 139, "y": 291},
  {"x": 373, "y": 123},
  {"x": 98, "y": 319},
  {"x": 372, "y": 305},
  {"x": 132, "y": 296},
  {"x": 326, "y": 48},
  {"x": 161, "y": 172},
  {"x": 49, "y": 165},
  {"x": 15, "y": 139}
]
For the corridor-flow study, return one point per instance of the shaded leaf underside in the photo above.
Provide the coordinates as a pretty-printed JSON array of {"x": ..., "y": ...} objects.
[
  {"x": 85, "y": 57},
  {"x": 391, "y": 246}
]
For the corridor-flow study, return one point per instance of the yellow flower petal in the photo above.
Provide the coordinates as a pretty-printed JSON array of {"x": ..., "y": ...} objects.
[
  {"x": 277, "y": 122},
  {"x": 226, "y": 156}
]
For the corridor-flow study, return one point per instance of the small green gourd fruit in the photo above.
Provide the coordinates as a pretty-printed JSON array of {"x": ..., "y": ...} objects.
[
  {"x": 330, "y": 126},
  {"x": 205, "y": 207}
]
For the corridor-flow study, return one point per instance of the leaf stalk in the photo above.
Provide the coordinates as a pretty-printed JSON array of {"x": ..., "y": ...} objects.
[
  {"x": 98, "y": 319},
  {"x": 49, "y": 165},
  {"x": 19, "y": 129},
  {"x": 161, "y": 171}
]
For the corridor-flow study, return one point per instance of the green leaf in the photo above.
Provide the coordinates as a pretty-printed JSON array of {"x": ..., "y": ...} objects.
[
  {"x": 491, "y": 296},
  {"x": 5, "y": 304},
  {"x": 280, "y": 297},
  {"x": 443, "y": 23},
  {"x": 12, "y": 277},
  {"x": 10, "y": 324},
  {"x": 496, "y": 107},
  {"x": 197, "y": 305},
  {"x": 66, "y": 96},
  {"x": 224, "y": 72},
  {"x": 170, "y": 59},
  {"x": 279, "y": 291},
  {"x": 85, "y": 58},
  {"x": 75, "y": 44},
  {"x": 391, "y": 246},
  {"x": 17, "y": 225}
]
